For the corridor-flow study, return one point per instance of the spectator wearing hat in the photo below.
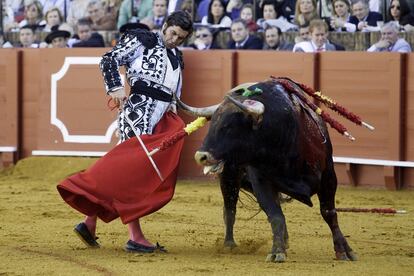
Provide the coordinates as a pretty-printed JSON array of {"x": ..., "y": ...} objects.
[{"x": 57, "y": 38}]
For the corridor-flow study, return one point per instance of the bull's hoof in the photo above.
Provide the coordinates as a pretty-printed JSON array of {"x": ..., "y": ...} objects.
[
  {"x": 230, "y": 244},
  {"x": 346, "y": 256},
  {"x": 276, "y": 258}
]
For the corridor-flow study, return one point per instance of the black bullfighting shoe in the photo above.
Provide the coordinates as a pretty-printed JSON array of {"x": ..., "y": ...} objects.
[
  {"x": 85, "y": 236},
  {"x": 135, "y": 247}
]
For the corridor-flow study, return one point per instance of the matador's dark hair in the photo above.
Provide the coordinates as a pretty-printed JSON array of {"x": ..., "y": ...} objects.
[{"x": 181, "y": 19}]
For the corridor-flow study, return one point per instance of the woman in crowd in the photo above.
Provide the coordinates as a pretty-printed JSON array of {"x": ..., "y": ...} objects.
[
  {"x": 400, "y": 12},
  {"x": 216, "y": 15},
  {"x": 33, "y": 15},
  {"x": 340, "y": 16},
  {"x": 53, "y": 17},
  {"x": 273, "y": 16},
  {"x": 305, "y": 11}
]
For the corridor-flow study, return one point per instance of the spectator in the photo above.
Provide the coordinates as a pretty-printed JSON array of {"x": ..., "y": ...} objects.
[
  {"x": 216, "y": 15},
  {"x": 62, "y": 5},
  {"x": 319, "y": 39},
  {"x": 77, "y": 10},
  {"x": 100, "y": 20},
  {"x": 27, "y": 37},
  {"x": 85, "y": 36},
  {"x": 272, "y": 16},
  {"x": 3, "y": 43},
  {"x": 33, "y": 15},
  {"x": 204, "y": 39},
  {"x": 364, "y": 19},
  {"x": 390, "y": 42},
  {"x": 274, "y": 41},
  {"x": 246, "y": 14},
  {"x": 241, "y": 39},
  {"x": 340, "y": 16},
  {"x": 57, "y": 38},
  {"x": 399, "y": 11},
  {"x": 159, "y": 14},
  {"x": 53, "y": 17},
  {"x": 140, "y": 10},
  {"x": 305, "y": 11},
  {"x": 304, "y": 34}
]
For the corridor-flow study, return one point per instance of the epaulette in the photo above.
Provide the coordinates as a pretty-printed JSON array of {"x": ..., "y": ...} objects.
[{"x": 147, "y": 38}]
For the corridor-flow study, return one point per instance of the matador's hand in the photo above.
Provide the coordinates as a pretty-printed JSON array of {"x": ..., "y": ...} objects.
[{"x": 118, "y": 96}]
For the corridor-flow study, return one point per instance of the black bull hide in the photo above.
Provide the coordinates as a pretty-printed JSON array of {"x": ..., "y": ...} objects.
[{"x": 286, "y": 149}]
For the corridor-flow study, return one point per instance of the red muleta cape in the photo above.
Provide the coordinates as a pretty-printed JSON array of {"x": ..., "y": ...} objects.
[{"x": 123, "y": 183}]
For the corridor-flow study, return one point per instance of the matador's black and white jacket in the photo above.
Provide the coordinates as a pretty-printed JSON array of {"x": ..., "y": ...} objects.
[{"x": 154, "y": 74}]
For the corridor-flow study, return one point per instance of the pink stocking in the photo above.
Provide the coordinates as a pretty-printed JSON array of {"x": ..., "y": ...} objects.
[
  {"x": 135, "y": 233},
  {"x": 90, "y": 222}
]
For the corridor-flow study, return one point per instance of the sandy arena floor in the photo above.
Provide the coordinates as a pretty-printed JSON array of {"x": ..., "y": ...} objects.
[{"x": 37, "y": 239}]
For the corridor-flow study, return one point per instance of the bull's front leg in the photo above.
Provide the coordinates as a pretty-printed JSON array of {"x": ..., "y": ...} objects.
[
  {"x": 230, "y": 187},
  {"x": 266, "y": 198}
]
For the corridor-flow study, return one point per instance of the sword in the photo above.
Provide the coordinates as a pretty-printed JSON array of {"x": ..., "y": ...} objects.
[{"x": 131, "y": 125}]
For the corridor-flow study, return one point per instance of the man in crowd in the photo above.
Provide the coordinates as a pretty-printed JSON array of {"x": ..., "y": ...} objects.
[
  {"x": 27, "y": 37},
  {"x": 85, "y": 36},
  {"x": 241, "y": 39},
  {"x": 364, "y": 19},
  {"x": 390, "y": 42},
  {"x": 159, "y": 14},
  {"x": 274, "y": 41},
  {"x": 319, "y": 39},
  {"x": 100, "y": 20}
]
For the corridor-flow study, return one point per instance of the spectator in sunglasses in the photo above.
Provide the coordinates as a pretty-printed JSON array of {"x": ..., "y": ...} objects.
[
  {"x": 204, "y": 39},
  {"x": 399, "y": 12}
]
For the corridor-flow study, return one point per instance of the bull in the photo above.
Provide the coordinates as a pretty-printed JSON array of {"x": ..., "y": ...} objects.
[{"x": 267, "y": 141}]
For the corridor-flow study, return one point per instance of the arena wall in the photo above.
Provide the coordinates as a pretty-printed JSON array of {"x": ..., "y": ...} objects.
[{"x": 53, "y": 103}]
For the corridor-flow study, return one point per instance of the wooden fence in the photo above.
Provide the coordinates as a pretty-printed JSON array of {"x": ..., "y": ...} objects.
[{"x": 53, "y": 103}]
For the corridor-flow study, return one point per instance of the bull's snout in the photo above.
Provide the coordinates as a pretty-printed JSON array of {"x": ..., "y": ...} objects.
[{"x": 203, "y": 157}]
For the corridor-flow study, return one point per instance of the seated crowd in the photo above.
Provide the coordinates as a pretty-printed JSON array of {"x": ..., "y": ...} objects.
[{"x": 80, "y": 23}]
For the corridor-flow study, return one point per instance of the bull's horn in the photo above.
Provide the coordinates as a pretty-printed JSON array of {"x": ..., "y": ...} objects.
[
  {"x": 249, "y": 106},
  {"x": 197, "y": 111}
]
